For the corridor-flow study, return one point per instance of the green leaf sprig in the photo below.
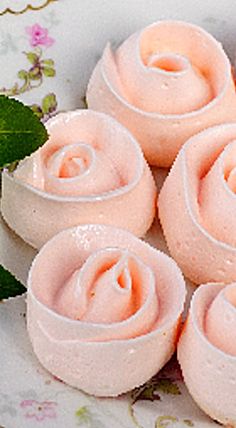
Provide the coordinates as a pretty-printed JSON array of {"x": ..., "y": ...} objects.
[
  {"x": 9, "y": 285},
  {"x": 21, "y": 133}
]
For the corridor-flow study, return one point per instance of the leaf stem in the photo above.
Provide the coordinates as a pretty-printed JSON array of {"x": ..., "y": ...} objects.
[{"x": 132, "y": 415}]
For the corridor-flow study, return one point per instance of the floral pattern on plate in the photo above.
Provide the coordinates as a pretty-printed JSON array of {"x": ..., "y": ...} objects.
[
  {"x": 22, "y": 379},
  {"x": 39, "y": 68},
  {"x": 33, "y": 396}
]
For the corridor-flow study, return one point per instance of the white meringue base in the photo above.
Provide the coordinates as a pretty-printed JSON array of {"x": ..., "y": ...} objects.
[
  {"x": 15, "y": 255},
  {"x": 208, "y": 372}
]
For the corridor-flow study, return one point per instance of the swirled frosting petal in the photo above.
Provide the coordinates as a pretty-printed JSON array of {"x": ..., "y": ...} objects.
[
  {"x": 165, "y": 83},
  {"x": 197, "y": 206},
  {"x": 222, "y": 312},
  {"x": 103, "y": 308},
  {"x": 111, "y": 287},
  {"x": 207, "y": 361},
  {"x": 91, "y": 169},
  {"x": 155, "y": 79}
]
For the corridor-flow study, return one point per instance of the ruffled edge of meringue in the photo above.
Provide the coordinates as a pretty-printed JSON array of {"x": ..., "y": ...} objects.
[
  {"x": 175, "y": 314},
  {"x": 199, "y": 330},
  {"x": 182, "y": 158},
  {"x": 154, "y": 115},
  {"x": 142, "y": 164}
]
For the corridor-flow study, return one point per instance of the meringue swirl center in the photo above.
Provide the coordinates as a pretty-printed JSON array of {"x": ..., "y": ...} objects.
[
  {"x": 70, "y": 160},
  {"x": 112, "y": 285},
  {"x": 169, "y": 63}
]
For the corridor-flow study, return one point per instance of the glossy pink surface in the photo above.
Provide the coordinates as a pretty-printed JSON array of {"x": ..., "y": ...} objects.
[
  {"x": 103, "y": 308},
  {"x": 197, "y": 206},
  {"x": 165, "y": 83},
  {"x": 207, "y": 351},
  {"x": 222, "y": 312},
  {"x": 90, "y": 170}
]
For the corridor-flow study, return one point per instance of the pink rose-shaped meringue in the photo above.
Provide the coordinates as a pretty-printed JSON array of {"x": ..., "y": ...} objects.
[
  {"x": 90, "y": 170},
  {"x": 197, "y": 206},
  {"x": 103, "y": 308},
  {"x": 165, "y": 83},
  {"x": 207, "y": 351}
]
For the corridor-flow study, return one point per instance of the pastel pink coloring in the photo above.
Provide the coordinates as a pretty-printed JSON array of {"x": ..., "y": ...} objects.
[
  {"x": 39, "y": 410},
  {"x": 39, "y": 36}
]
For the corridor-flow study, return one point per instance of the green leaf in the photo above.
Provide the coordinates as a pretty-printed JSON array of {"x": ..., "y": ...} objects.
[
  {"x": 35, "y": 73},
  {"x": 147, "y": 392},
  {"x": 150, "y": 390},
  {"x": 83, "y": 415},
  {"x": 48, "y": 62},
  {"x": 12, "y": 166},
  {"x": 49, "y": 103},
  {"x": 32, "y": 57},
  {"x": 188, "y": 422},
  {"x": 49, "y": 72},
  {"x": 21, "y": 132},
  {"x": 168, "y": 387},
  {"x": 9, "y": 286},
  {"x": 22, "y": 74},
  {"x": 87, "y": 418},
  {"x": 37, "y": 110}
]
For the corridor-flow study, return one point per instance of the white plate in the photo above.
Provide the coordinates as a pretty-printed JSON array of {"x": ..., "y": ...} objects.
[{"x": 73, "y": 35}]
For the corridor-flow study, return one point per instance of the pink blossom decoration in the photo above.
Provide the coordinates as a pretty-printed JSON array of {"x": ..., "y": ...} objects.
[
  {"x": 39, "y": 36},
  {"x": 39, "y": 410}
]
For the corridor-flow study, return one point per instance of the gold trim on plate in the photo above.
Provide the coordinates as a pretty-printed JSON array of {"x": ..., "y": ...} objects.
[{"x": 28, "y": 7}]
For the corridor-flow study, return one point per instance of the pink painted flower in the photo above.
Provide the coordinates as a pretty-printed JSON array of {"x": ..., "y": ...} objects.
[
  {"x": 39, "y": 410},
  {"x": 39, "y": 36}
]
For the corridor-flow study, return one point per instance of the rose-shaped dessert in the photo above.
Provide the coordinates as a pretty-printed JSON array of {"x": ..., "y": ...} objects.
[
  {"x": 164, "y": 84},
  {"x": 197, "y": 206},
  {"x": 90, "y": 170},
  {"x": 104, "y": 308},
  {"x": 207, "y": 351}
]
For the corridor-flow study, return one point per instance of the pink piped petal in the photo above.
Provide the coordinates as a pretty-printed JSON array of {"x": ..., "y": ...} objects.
[
  {"x": 112, "y": 286},
  {"x": 97, "y": 355},
  {"x": 220, "y": 322},
  {"x": 207, "y": 361},
  {"x": 165, "y": 83},
  {"x": 152, "y": 70},
  {"x": 197, "y": 192},
  {"x": 90, "y": 170}
]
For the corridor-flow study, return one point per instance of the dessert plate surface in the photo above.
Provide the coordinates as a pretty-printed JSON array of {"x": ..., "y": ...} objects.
[{"x": 59, "y": 42}]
